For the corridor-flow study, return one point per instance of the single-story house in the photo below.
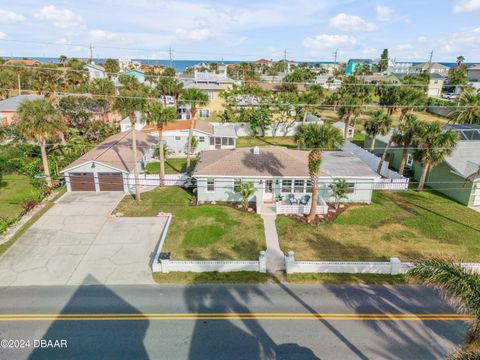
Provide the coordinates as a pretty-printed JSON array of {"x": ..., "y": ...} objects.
[
  {"x": 473, "y": 73},
  {"x": 8, "y": 107},
  {"x": 280, "y": 176},
  {"x": 448, "y": 177},
  {"x": 140, "y": 75},
  {"x": 430, "y": 68},
  {"x": 210, "y": 136},
  {"x": 110, "y": 166},
  {"x": 95, "y": 71},
  {"x": 354, "y": 63}
]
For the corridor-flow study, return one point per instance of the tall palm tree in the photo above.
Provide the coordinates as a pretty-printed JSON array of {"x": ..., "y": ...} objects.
[
  {"x": 469, "y": 112},
  {"x": 130, "y": 101},
  {"x": 409, "y": 97},
  {"x": 456, "y": 282},
  {"x": 318, "y": 138},
  {"x": 104, "y": 92},
  {"x": 63, "y": 60},
  {"x": 348, "y": 110},
  {"x": 194, "y": 98},
  {"x": 160, "y": 115},
  {"x": 379, "y": 123},
  {"x": 404, "y": 136},
  {"x": 169, "y": 86},
  {"x": 40, "y": 121},
  {"x": 433, "y": 144}
]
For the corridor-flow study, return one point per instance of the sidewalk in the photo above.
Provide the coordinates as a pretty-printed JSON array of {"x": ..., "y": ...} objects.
[{"x": 275, "y": 257}]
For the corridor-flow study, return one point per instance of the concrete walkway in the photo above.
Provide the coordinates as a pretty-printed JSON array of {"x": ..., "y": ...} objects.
[{"x": 275, "y": 256}]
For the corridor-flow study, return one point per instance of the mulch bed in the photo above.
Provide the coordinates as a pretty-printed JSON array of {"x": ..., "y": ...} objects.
[{"x": 321, "y": 219}]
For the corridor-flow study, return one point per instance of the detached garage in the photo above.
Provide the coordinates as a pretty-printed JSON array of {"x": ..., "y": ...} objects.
[{"x": 110, "y": 165}]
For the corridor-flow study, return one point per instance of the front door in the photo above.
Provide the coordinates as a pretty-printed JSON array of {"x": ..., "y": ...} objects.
[{"x": 268, "y": 191}]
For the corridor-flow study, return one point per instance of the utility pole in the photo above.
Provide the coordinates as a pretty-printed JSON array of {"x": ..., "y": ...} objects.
[
  {"x": 335, "y": 56},
  {"x": 91, "y": 54},
  {"x": 285, "y": 67},
  {"x": 430, "y": 61},
  {"x": 170, "y": 55},
  {"x": 19, "y": 84}
]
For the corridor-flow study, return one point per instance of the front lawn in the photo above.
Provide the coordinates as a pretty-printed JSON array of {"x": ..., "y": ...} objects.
[
  {"x": 206, "y": 232},
  {"x": 406, "y": 224},
  {"x": 172, "y": 166},
  {"x": 15, "y": 190},
  {"x": 251, "y": 141}
]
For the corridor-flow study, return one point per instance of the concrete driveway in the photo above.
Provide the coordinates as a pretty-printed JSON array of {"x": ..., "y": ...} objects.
[{"x": 76, "y": 238}]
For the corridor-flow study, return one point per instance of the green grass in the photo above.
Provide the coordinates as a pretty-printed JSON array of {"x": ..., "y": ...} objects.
[
  {"x": 250, "y": 277},
  {"x": 172, "y": 166},
  {"x": 407, "y": 224},
  {"x": 6, "y": 245},
  {"x": 210, "y": 232},
  {"x": 14, "y": 191},
  {"x": 251, "y": 141}
]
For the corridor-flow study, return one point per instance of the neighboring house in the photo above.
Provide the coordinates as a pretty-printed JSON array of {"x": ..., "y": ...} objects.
[
  {"x": 263, "y": 63},
  {"x": 431, "y": 68},
  {"x": 340, "y": 125},
  {"x": 327, "y": 82},
  {"x": 128, "y": 64},
  {"x": 8, "y": 107},
  {"x": 140, "y": 75},
  {"x": 399, "y": 67},
  {"x": 473, "y": 73},
  {"x": 280, "y": 176},
  {"x": 379, "y": 78},
  {"x": 449, "y": 176},
  {"x": 95, "y": 71},
  {"x": 22, "y": 62},
  {"x": 107, "y": 167},
  {"x": 209, "y": 136},
  {"x": 354, "y": 63},
  {"x": 435, "y": 85}
]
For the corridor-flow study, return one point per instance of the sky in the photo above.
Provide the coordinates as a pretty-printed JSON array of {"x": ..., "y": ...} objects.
[{"x": 309, "y": 30}]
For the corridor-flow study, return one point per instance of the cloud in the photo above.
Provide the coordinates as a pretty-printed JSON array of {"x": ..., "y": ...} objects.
[
  {"x": 384, "y": 13},
  {"x": 351, "y": 23},
  {"x": 466, "y": 6},
  {"x": 198, "y": 32},
  {"x": 3, "y": 35},
  {"x": 62, "y": 18},
  {"x": 403, "y": 47},
  {"x": 10, "y": 17},
  {"x": 326, "y": 41}
]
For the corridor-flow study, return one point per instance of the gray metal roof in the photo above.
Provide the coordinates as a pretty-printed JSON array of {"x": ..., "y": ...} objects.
[
  {"x": 224, "y": 130},
  {"x": 12, "y": 104},
  {"x": 465, "y": 159},
  {"x": 95, "y": 66}
]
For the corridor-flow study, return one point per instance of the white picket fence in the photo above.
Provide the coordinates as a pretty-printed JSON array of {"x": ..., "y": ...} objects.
[
  {"x": 154, "y": 179},
  {"x": 391, "y": 181},
  {"x": 166, "y": 266}
]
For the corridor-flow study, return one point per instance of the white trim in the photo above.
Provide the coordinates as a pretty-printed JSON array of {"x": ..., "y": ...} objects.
[
  {"x": 321, "y": 178},
  {"x": 96, "y": 162}
]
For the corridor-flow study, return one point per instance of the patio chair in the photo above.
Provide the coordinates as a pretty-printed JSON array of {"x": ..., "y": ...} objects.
[
  {"x": 305, "y": 199},
  {"x": 291, "y": 199}
]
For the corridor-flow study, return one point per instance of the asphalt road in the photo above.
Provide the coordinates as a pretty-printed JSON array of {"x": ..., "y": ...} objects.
[{"x": 273, "y": 321}]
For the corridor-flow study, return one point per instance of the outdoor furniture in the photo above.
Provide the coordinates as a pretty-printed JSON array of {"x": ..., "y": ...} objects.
[
  {"x": 291, "y": 199},
  {"x": 305, "y": 199}
]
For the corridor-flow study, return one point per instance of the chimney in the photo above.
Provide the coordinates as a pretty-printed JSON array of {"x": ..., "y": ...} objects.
[{"x": 256, "y": 150}]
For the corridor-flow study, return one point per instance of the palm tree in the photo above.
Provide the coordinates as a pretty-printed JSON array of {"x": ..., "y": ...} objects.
[
  {"x": 409, "y": 97},
  {"x": 169, "y": 86},
  {"x": 317, "y": 137},
  {"x": 192, "y": 98},
  {"x": 104, "y": 92},
  {"x": 246, "y": 191},
  {"x": 63, "y": 60},
  {"x": 40, "y": 121},
  {"x": 457, "y": 282},
  {"x": 127, "y": 103},
  {"x": 433, "y": 144},
  {"x": 159, "y": 115},
  {"x": 339, "y": 190},
  {"x": 404, "y": 136},
  {"x": 469, "y": 112},
  {"x": 378, "y": 124}
]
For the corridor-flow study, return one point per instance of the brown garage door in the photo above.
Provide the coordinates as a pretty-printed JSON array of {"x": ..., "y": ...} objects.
[
  {"x": 82, "y": 182},
  {"x": 110, "y": 181}
]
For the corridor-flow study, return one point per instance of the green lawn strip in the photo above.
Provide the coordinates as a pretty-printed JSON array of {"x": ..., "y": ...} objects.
[
  {"x": 6, "y": 245},
  {"x": 406, "y": 224},
  {"x": 172, "y": 166},
  {"x": 251, "y": 141},
  {"x": 206, "y": 232},
  {"x": 250, "y": 277},
  {"x": 14, "y": 191}
]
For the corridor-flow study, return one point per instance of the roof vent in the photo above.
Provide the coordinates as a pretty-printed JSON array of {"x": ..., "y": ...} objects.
[{"x": 256, "y": 150}]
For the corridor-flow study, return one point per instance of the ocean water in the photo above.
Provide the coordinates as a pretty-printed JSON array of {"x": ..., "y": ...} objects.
[{"x": 181, "y": 65}]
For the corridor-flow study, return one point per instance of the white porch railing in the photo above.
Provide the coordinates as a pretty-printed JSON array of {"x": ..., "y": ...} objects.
[
  {"x": 391, "y": 184},
  {"x": 299, "y": 209},
  {"x": 154, "y": 179}
]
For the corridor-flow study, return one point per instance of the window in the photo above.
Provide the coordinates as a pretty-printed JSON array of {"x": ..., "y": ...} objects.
[
  {"x": 231, "y": 142},
  {"x": 269, "y": 186},
  {"x": 201, "y": 139},
  {"x": 210, "y": 95},
  {"x": 224, "y": 141},
  {"x": 237, "y": 184},
  {"x": 351, "y": 188},
  {"x": 298, "y": 186},
  {"x": 218, "y": 141},
  {"x": 204, "y": 113},
  {"x": 178, "y": 138},
  {"x": 309, "y": 187},
  {"x": 210, "y": 185},
  {"x": 286, "y": 186},
  {"x": 212, "y": 141},
  {"x": 409, "y": 160}
]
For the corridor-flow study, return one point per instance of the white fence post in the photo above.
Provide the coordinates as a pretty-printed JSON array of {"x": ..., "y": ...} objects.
[
  {"x": 262, "y": 262},
  {"x": 289, "y": 262},
  {"x": 395, "y": 264},
  {"x": 165, "y": 266}
]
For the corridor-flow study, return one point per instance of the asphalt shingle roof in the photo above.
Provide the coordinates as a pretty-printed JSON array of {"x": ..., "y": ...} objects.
[{"x": 12, "y": 104}]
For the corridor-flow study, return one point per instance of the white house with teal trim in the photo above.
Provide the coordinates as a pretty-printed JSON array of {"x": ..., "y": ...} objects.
[{"x": 280, "y": 177}]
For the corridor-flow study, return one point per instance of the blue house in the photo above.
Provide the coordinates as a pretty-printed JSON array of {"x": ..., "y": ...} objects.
[
  {"x": 140, "y": 75},
  {"x": 353, "y": 63}
]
